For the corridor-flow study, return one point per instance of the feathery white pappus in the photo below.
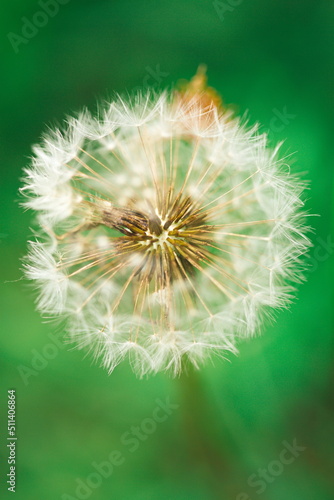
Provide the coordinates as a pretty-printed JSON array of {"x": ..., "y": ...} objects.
[{"x": 167, "y": 230}]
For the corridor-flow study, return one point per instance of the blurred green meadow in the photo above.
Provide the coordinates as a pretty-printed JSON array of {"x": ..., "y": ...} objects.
[{"x": 259, "y": 426}]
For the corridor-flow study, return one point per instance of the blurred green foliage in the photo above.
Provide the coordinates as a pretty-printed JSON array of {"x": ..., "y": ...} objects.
[{"x": 272, "y": 59}]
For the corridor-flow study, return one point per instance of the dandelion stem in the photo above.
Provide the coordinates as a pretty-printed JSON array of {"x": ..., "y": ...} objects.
[{"x": 200, "y": 428}]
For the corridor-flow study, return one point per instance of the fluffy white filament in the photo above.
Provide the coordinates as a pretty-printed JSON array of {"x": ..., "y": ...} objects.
[{"x": 168, "y": 230}]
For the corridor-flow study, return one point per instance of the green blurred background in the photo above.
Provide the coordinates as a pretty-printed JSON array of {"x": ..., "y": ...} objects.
[{"x": 273, "y": 59}]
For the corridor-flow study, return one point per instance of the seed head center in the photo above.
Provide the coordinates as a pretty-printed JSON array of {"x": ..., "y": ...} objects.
[{"x": 157, "y": 235}]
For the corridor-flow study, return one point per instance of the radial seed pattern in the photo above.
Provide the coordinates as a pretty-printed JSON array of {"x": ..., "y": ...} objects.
[{"x": 168, "y": 228}]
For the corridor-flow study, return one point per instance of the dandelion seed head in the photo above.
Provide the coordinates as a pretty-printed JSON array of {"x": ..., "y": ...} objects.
[{"x": 168, "y": 229}]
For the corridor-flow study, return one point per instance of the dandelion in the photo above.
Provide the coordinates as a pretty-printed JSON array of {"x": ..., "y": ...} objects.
[{"x": 168, "y": 229}]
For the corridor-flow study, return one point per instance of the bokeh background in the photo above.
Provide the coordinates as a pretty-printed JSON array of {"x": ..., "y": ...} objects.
[{"x": 273, "y": 60}]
